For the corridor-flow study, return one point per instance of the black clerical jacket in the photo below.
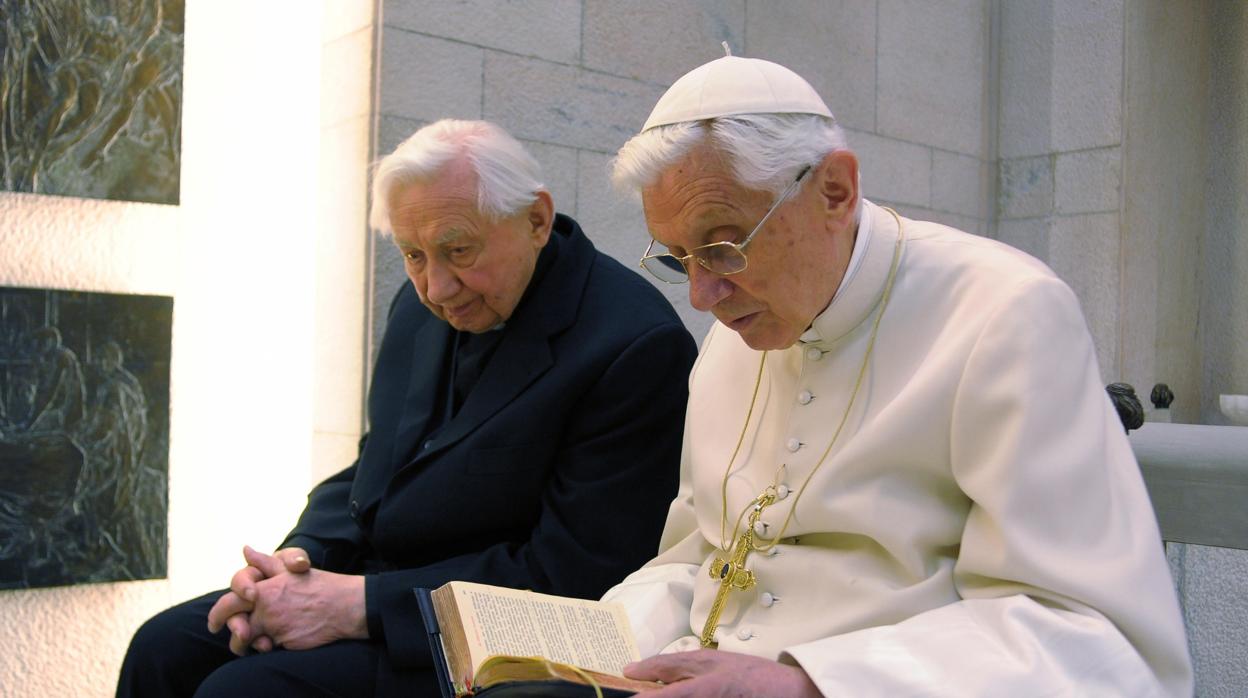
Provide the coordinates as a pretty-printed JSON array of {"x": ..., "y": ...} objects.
[{"x": 555, "y": 474}]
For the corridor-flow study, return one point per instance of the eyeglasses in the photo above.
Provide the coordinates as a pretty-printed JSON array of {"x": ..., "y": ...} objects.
[{"x": 723, "y": 258}]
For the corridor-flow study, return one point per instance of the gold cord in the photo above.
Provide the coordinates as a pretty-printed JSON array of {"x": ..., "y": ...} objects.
[
  {"x": 862, "y": 371},
  {"x": 550, "y": 663},
  {"x": 723, "y": 489}
]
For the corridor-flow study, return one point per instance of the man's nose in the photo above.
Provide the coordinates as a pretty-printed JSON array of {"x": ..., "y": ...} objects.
[
  {"x": 443, "y": 285},
  {"x": 706, "y": 288}
]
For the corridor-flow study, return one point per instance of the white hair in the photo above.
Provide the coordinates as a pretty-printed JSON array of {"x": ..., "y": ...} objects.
[
  {"x": 766, "y": 151},
  {"x": 508, "y": 177}
]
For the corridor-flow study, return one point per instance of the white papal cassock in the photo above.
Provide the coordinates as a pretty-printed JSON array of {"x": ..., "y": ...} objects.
[{"x": 979, "y": 528}]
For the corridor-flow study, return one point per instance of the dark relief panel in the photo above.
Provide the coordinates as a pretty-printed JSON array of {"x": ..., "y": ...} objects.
[
  {"x": 91, "y": 98},
  {"x": 84, "y": 436}
]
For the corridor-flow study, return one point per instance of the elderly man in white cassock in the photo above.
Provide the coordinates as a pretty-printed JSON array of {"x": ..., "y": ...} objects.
[{"x": 901, "y": 473}]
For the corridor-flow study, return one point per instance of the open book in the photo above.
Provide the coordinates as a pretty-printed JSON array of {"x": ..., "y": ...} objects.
[{"x": 501, "y": 642}]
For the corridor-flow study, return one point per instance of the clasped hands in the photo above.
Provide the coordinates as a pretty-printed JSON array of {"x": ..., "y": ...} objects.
[{"x": 280, "y": 600}]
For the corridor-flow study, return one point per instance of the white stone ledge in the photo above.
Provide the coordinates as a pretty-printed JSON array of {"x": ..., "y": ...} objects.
[{"x": 1197, "y": 477}]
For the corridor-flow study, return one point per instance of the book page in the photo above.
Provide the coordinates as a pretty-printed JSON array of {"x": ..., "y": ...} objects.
[{"x": 588, "y": 634}]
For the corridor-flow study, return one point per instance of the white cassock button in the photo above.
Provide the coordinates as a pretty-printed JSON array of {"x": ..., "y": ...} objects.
[
  {"x": 813, "y": 354},
  {"x": 765, "y": 599},
  {"x": 744, "y": 634},
  {"x": 793, "y": 444},
  {"x": 782, "y": 491},
  {"x": 805, "y": 397},
  {"x": 771, "y": 552},
  {"x": 760, "y": 529}
]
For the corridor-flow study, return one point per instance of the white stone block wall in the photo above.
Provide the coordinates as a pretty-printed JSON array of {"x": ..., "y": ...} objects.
[
  {"x": 1224, "y": 292},
  {"x": 1164, "y": 168},
  {"x": 575, "y": 80},
  {"x": 1059, "y": 140},
  {"x": 923, "y": 144},
  {"x": 1213, "y": 582}
]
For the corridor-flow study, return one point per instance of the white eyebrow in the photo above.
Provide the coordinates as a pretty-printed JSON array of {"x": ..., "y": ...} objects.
[{"x": 451, "y": 236}]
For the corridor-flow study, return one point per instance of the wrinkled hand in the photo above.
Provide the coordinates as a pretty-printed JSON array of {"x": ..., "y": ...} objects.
[
  {"x": 233, "y": 609},
  {"x": 308, "y": 609},
  {"x": 716, "y": 674},
  {"x": 302, "y": 611}
]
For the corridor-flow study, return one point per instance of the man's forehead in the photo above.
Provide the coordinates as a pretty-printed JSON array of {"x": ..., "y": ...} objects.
[
  {"x": 700, "y": 160},
  {"x": 434, "y": 232},
  {"x": 434, "y": 212},
  {"x": 693, "y": 205},
  {"x": 450, "y": 188},
  {"x": 703, "y": 169},
  {"x": 696, "y": 211},
  {"x": 434, "y": 195},
  {"x": 686, "y": 193}
]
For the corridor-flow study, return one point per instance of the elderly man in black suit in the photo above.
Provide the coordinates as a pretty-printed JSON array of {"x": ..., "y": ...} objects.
[{"x": 526, "y": 415}]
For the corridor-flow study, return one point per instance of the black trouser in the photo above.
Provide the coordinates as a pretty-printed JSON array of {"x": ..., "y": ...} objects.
[{"x": 173, "y": 654}]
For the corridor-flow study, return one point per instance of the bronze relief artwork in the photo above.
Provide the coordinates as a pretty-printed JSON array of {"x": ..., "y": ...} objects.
[
  {"x": 91, "y": 98},
  {"x": 84, "y": 436}
]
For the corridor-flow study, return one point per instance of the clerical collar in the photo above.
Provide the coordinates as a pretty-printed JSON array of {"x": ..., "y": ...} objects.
[
  {"x": 855, "y": 260},
  {"x": 863, "y": 284},
  {"x": 545, "y": 260},
  {"x": 472, "y": 352}
]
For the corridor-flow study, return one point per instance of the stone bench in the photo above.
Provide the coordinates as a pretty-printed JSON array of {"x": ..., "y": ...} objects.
[{"x": 1197, "y": 478}]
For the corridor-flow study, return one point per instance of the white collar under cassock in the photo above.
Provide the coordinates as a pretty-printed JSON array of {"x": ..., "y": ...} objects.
[{"x": 863, "y": 284}]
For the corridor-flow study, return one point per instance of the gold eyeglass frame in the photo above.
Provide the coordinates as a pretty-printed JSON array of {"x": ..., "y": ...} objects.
[{"x": 738, "y": 247}]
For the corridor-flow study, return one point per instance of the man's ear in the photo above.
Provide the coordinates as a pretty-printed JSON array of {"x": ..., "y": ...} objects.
[
  {"x": 837, "y": 180},
  {"x": 541, "y": 218}
]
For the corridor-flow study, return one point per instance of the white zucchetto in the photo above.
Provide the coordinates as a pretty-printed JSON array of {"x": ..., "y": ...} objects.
[{"x": 734, "y": 85}]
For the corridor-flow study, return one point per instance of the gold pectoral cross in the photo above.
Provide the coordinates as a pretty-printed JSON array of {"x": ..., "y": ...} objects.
[{"x": 732, "y": 573}]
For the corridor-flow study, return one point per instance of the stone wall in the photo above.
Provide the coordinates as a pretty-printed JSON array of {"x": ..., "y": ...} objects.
[
  {"x": 574, "y": 80},
  {"x": 1224, "y": 258},
  {"x": 1212, "y": 582},
  {"x": 1120, "y": 141},
  {"x": 1059, "y": 141}
]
